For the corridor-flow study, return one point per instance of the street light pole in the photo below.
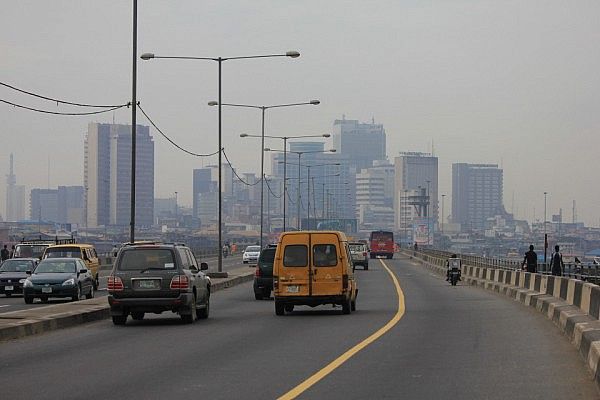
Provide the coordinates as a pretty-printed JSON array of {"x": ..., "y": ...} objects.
[
  {"x": 219, "y": 60},
  {"x": 545, "y": 234},
  {"x": 133, "y": 126},
  {"x": 443, "y": 198}
]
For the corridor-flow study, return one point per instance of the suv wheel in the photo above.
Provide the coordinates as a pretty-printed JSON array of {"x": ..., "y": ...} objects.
[
  {"x": 258, "y": 296},
  {"x": 137, "y": 316},
  {"x": 119, "y": 319},
  {"x": 189, "y": 318},
  {"x": 202, "y": 313}
]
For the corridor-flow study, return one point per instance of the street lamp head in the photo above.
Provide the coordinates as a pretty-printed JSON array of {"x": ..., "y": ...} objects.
[
  {"x": 243, "y": 135},
  {"x": 147, "y": 56},
  {"x": 332, "y": 150},
  {"x": 315, "y": 102},
  {"x": 292, "y": 54},
  {"x": 213, "y": 103},
  {"x": 326, "y": 135},
  {"x": 267, "y": 149}
]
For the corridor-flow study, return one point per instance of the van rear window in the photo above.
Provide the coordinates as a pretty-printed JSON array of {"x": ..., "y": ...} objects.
[
  {"x": 58, "y": 252},
  {"x": 295, "y": 255},
  {"x": 324, "y": 255}
]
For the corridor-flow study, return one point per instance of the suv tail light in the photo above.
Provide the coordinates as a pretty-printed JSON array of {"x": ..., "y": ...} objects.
[
  {"x": 345, "y": 281},
  {"x": 180, "y": 282},
  {"x": 114, "y": 284},
  {"x": 257, "y": 273}
]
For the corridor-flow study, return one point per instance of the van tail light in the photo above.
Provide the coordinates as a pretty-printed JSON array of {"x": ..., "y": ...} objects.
[
  {"x": 180, "y": 282},
  {"x": 257, "y": 273},
  {"x": 114, "y": 284},
  {"x": 345, "y": 281},
  {"x": 275, "y": 282},
  {"x": 364, "y": 253}
]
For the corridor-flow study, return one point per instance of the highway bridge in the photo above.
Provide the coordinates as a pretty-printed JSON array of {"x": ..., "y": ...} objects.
[{"x": 413, "y": 336}]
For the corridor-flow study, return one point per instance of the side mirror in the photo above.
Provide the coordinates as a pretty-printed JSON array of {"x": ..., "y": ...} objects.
[
  {"x": 83, "y": 271},
  {"x": 28, "y": 272},
  {"x": 203, "y": 266}
]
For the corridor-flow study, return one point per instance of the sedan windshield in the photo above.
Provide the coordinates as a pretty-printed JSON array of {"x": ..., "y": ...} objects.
[
  {"x": 55, "y": 266},
  {"x": 253, "y": 249},
  {"x": 16, "y": 266}
]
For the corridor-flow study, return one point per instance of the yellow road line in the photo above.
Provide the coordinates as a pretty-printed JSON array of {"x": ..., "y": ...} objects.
[{"x": 301, "y": 388}]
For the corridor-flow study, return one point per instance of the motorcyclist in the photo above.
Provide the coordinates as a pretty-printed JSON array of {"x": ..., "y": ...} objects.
[
  {"x": 225, "y": 250},
  {"x": 448, "y": 268}
]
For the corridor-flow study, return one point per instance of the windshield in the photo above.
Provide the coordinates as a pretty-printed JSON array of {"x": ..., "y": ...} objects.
[
  {"x": 61, "y": 252},
  {"x": 29, "y": 250},
  {"x": 56, "y": 266},
  {"x": 253, "y": 249},
  {"x": 140, "y": 259},
  {"x": 16, "y": 266}
]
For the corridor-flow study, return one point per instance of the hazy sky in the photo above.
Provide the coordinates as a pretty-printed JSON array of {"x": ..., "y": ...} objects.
[{"x": 508, "y": 82}]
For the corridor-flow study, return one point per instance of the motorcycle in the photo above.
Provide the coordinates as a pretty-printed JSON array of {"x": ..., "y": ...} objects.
[{"x": 454, "y": 270}]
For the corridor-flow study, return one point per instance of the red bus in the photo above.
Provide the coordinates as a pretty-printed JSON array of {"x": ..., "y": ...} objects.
[{"x": 382, "y": 244}]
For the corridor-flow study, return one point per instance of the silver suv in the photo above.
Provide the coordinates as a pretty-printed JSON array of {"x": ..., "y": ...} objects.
[
  {"x": 359, "y": 253},
  {"x": 156, "y": 277}
]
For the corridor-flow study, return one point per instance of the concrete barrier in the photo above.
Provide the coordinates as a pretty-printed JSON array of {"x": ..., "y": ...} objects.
[{"x": 573, "y": 305}]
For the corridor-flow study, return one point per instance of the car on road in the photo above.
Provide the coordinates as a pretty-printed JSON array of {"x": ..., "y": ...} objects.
[
  {"x": 157, "y": 277},
  {"x": 59, "y": 277},
  {"x": 85, "y": 252},
  {"x": 360, "y": 254},
  {"x": 263, "y": 278},
  {"x": 13, "y": 273},
  {"x": 251, "y": 254}
]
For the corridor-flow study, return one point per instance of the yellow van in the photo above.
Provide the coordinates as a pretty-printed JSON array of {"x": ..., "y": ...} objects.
[
  {"x": 313, "y": 268},
  {"x": 86, "y": 252}
]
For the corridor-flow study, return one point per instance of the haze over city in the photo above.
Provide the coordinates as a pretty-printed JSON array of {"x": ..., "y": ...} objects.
[{"x": 511, "y": 83}]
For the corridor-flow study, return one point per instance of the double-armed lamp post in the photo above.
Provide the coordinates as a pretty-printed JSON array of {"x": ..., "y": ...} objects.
[
  {"x": 219, "y": 60},
  {"x": 262, "y": 153}
]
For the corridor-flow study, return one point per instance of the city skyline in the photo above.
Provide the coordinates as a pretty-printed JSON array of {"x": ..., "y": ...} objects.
[{"x": 461, "y": 79}]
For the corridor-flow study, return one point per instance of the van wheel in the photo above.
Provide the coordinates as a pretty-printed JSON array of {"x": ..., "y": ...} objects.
[
  {"x": 266, "y": 293},
  {"x": 346, "y": 307},
  {"x": 353, "y": 305},
  {"x": 279, "y": 308},
  {"x": 289, "y": 307},
  {"x": 366, "y": 267}
]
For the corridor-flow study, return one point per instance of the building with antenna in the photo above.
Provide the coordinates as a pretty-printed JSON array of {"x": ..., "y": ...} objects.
[{"x": 15, "y": 196}]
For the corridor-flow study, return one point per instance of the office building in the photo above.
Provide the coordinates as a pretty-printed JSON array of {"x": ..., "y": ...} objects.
[
  {"x": 477, "y": 191},
  {"x": 360, "y": 143},
  {"x": 107, "y": 175},
  {"x": 416, "y": 176},
  {"x": 375, "y": 196},
  {"x": 202, "y": 183}
]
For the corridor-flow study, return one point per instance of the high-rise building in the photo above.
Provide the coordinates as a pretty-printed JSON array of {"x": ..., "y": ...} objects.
[
  {"x": 70, "y": 205},
  {"x": 360, "y": 143},
  {"x": 477, "y": 191},
  {"x": 375, "y": 196},
  {"x": 15, "y": 196},
  {"x": 415, "y": 172},
  {"x": 202, "y": 183},
  {"x": 107, "y": 175},
  {"x": 43, "y": 205}
]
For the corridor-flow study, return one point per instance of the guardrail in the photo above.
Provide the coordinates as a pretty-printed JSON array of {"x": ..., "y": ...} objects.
[{"x": 584, "y": 272}]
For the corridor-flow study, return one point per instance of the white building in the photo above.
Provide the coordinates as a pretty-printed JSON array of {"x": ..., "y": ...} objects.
[{"x": 375, "y": 196}]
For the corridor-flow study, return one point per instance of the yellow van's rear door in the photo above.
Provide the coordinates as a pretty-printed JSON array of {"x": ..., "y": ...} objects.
[
  {"x": 294, "y": 275},
  {"x": 326, "y": 267}
]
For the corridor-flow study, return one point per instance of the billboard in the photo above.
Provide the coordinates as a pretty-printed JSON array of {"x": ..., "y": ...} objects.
[
  {"x": 423, "y": 231},
  {"x": 346, "y": 225}
]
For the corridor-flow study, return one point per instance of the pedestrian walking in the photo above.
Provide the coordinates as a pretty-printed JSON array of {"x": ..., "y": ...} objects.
[
  {"x": 556, "y": 262},
  {"x": 530, "y": 260},
  {"x": 4, "y": 253}
]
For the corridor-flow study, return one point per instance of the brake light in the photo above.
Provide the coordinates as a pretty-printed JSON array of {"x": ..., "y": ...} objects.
[
  {"x": 275, "y": 283},
  {"x": 257, "y": 273},
  {"x": 114, "y": 284},
  {"x": 180, "y": 282},
  {"x": 345, "y": 281},
  {"x": 364, "y": 253}
]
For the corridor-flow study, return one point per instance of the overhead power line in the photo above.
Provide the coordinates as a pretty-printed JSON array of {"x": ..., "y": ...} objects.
[
  {"x": 269, "y": 187},
  {"x": 71, "y": 103},
  {"x": 62, "y": 113},
  {"x": 236, "y": 174}
]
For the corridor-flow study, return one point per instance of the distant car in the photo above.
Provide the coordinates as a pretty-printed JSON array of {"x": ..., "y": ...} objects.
[
  {"x": 157, "y": 277},
  {"x": 360, "y": 254},
  {"x": 13, "y": 273},
  {"x": 59, "y": 277},
  {"x": 251, "y": 254},
  {"x": 263, "y": 278}
]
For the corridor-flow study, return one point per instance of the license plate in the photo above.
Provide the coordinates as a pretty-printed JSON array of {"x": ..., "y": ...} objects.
[
  {"x": 293, "y": 289},
  {"x": 9, "y": 288},
  {"x": 148, "y": 284},
  {"x": 46, "y": 290}
]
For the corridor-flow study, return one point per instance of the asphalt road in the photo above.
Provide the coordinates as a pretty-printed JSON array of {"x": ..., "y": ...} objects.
[
  {"x": 451, "y": 343},
  {"x": 16, "y": 302}
]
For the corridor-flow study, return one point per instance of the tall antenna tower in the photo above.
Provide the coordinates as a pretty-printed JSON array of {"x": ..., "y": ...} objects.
[{"x": 574, "y": 212}]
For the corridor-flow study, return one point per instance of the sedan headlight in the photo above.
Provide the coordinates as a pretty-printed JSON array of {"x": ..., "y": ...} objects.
[
  {"x": 22, "y": 280},
  {"x": 69, "y": 282},
  {"x": 28, "y": 283}
]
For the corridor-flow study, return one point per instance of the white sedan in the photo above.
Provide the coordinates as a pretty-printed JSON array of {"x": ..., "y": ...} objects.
[{"x": 251, "y": 255}]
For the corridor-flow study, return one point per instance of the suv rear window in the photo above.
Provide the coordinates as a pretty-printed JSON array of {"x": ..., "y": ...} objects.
[
  {"x": 138, "y": 259},
  {"x": 357, "y": 247},
  {"x": 324, "y": 255},
  {"x": 295, "y": 255},
  {"x": 267, "y": 256}
]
